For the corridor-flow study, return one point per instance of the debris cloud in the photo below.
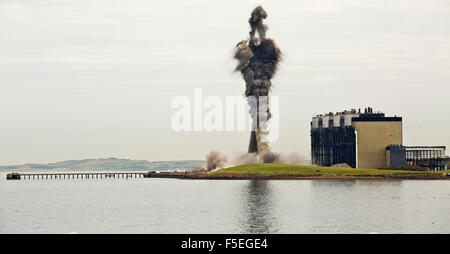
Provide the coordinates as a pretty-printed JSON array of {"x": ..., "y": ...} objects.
[
  {"x": 293, "y": 158},
  {"x": 258, "y": 58},
  {"x": 215, "y": 160}
]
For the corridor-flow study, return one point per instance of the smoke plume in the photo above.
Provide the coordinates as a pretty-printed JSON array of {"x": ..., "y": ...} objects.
[
  {"x": 293, "y": 158},
  {"x": 215, "y": 160},
  {"x": 258, "y": 60}
]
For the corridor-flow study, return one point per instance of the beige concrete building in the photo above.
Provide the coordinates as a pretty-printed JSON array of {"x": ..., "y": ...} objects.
[
  {"x": 368, "y": 140},
  {"x": 354, "y": 137},
  {"x": 373, "y": 135}
]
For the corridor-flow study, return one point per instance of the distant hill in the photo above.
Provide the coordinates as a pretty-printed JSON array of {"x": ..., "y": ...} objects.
[{"x": 109, "y": 164}]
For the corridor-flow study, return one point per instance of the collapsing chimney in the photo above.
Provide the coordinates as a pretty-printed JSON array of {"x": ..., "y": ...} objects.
[{"x": 258, "y": 60}]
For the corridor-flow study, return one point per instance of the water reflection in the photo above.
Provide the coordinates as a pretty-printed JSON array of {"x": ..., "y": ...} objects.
[
  {"x": 290, "y": 206},
  {"x": 331, "y": 183},
  {"x": 355, "y": 205},
  {"x": 258, "y": 215}
]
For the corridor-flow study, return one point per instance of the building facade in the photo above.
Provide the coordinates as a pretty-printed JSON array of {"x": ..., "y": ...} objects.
[
  {"x": 354, "y": 137},
  {"x": 432, "y": 157}
]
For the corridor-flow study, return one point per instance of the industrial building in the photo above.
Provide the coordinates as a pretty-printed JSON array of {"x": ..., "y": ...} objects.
[
  {"x": 431, "y": 157},
  {"x": 368, "y": 140}
]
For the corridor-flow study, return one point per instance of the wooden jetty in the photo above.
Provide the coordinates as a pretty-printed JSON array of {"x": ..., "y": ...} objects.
[
  {"x": 75, "y": 175},
  {"x": 153, "y": 174}
]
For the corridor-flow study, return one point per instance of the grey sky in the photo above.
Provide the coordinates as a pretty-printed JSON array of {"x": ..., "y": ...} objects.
[{"x": 87, "y": 79}]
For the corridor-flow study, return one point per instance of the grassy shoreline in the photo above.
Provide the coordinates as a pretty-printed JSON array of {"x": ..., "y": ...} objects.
[{"x": 284, "y": 171}]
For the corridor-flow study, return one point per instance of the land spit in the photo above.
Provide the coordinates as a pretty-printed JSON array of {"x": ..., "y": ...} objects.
[
  {"x": 309, "y": 177},
  {"x": 269, "y": 171},
  {"x": 264, "y": 171}
]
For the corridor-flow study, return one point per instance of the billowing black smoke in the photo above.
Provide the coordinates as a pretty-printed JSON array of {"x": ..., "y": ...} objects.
[
  {"x": 270, "y": 157},
  {"x": 258, "y": 59}
]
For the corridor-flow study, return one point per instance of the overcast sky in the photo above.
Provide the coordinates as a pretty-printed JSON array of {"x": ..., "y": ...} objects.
[{"x": 90, "y": 79}]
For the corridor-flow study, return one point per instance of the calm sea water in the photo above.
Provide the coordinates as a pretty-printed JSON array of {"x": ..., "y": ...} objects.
[{"x": 216, "y": 206}]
